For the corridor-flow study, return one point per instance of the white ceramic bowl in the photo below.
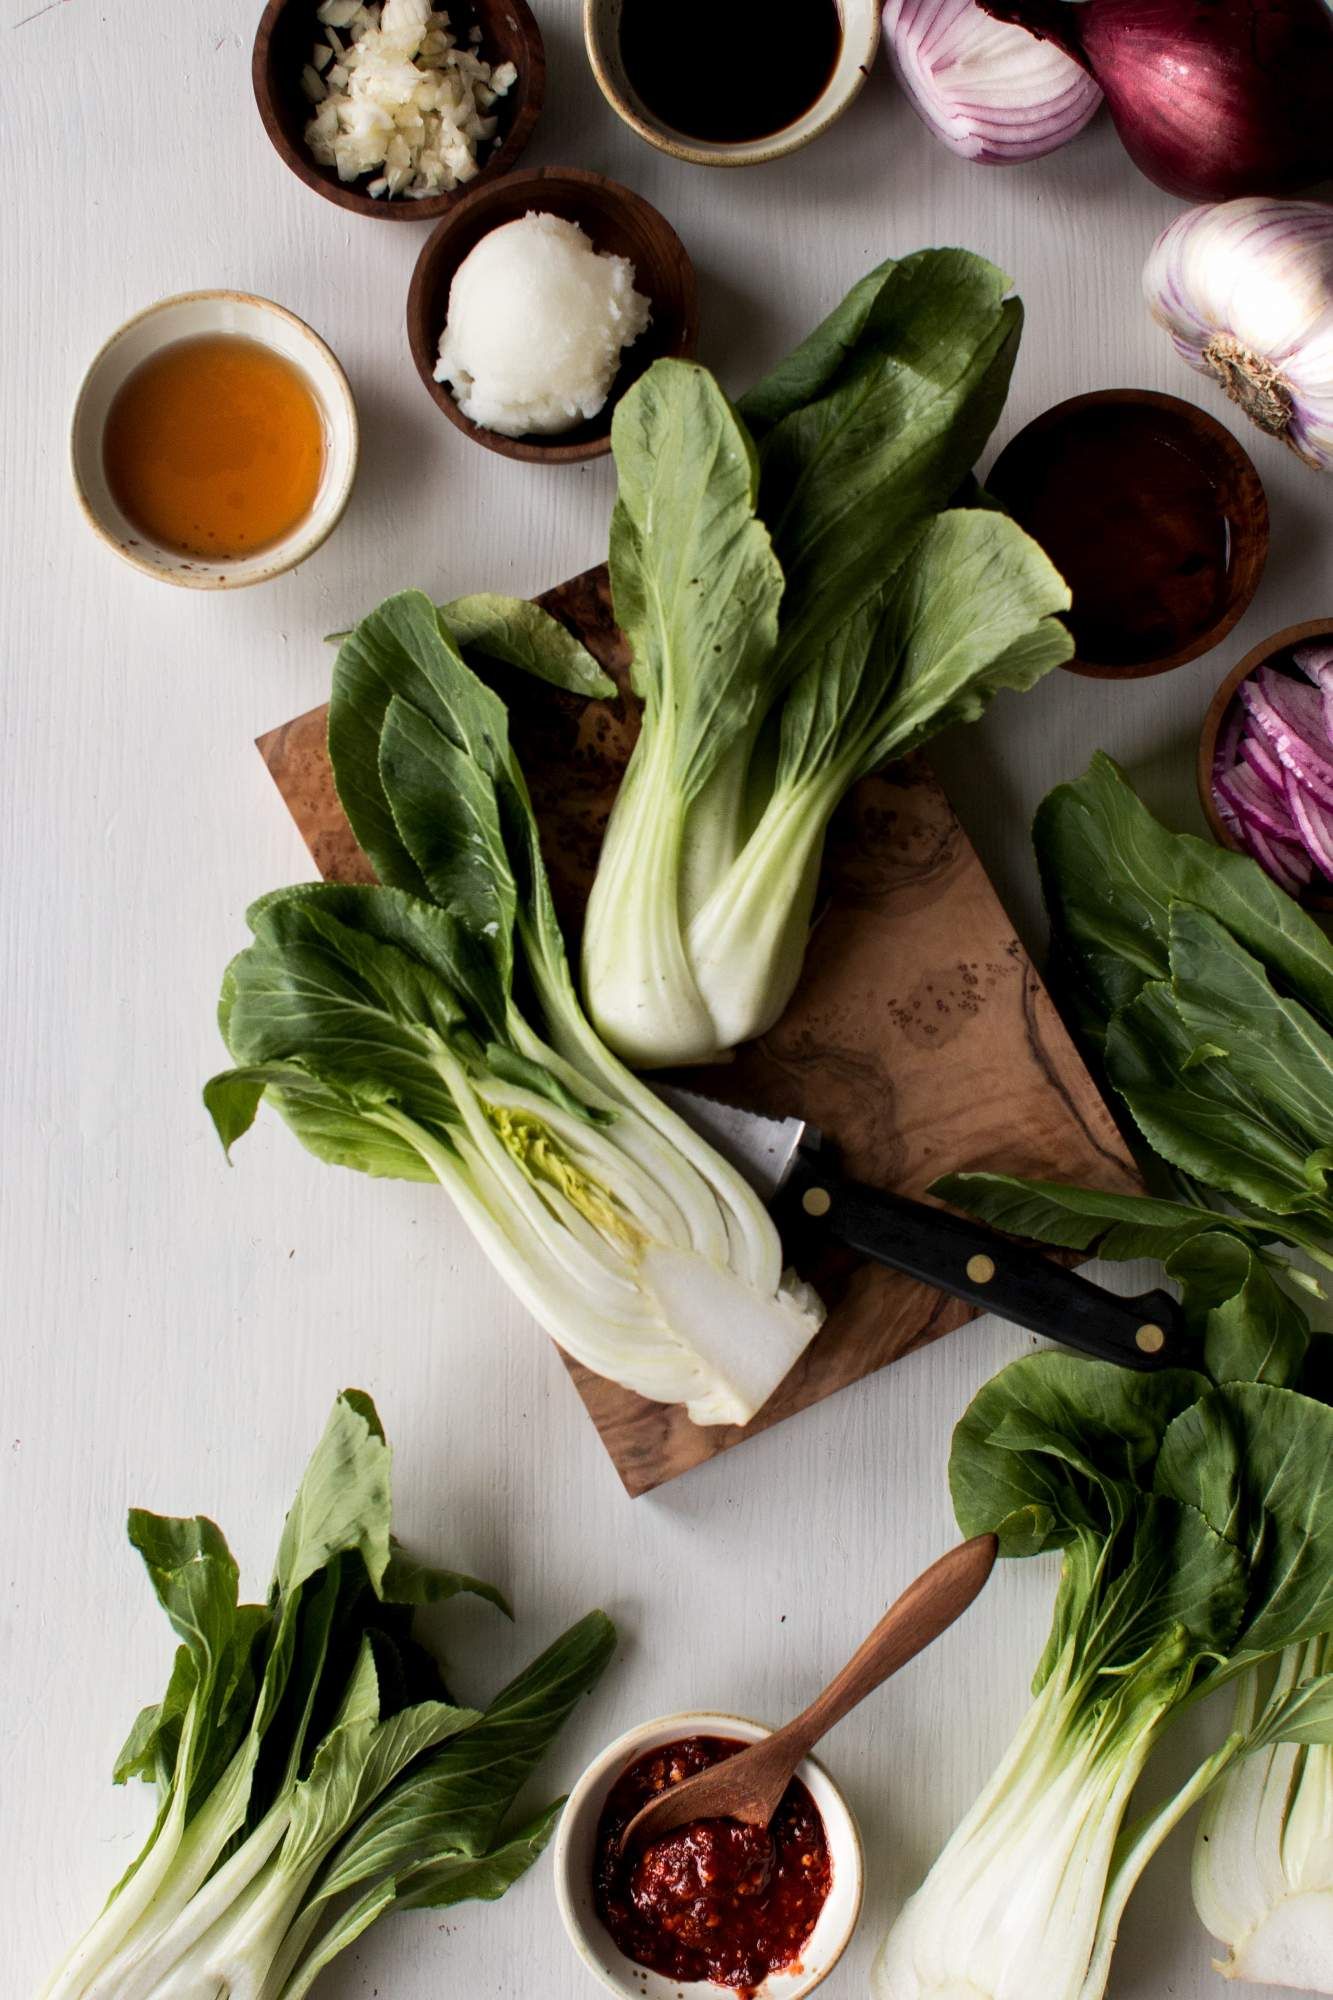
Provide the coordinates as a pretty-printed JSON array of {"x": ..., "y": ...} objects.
[
  {"x": 576, "y": 1840},
  {"x": 181, "y": 318},
  {"x": 860, "y": 44}
]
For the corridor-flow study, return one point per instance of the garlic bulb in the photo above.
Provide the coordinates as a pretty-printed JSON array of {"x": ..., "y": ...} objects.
[{"x": 1245, "y": 289}]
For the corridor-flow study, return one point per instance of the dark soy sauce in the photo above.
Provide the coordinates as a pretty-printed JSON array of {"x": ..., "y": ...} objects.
[
  {"x": 729, "y": 70},
  {"x": 1135, "y": 524}
]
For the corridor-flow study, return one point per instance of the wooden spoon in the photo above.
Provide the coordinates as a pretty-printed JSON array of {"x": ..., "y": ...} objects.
[{"x": 750, "y": 1785}]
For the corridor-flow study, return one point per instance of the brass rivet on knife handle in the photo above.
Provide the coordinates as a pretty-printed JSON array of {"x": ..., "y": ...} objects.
[
  {"x": 980, "y": 1269},
  {"x": 816, "y": 1201},
  {"x": 1150, "y": 1339}
]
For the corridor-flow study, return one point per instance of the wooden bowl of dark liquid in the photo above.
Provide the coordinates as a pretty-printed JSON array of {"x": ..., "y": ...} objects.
[{"x": 1154, "y": 516}]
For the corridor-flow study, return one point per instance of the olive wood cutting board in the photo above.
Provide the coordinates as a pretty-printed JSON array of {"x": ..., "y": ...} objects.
[{"x": 920, "y": 1040}]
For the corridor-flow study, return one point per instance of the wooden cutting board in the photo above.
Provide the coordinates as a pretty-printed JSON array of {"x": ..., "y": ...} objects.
[{"x": 921, "y": 1039}]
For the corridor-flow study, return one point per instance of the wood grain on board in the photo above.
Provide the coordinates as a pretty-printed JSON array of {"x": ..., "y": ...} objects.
[{"x": 921, "y": 1039}]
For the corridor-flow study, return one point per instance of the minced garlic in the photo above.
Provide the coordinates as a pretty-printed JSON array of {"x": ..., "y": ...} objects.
[{"x": 396, "y": 90}]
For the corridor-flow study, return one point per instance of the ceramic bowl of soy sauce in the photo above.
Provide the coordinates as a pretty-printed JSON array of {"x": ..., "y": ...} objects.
[
  {"x": 1152, "y": 513},
  {"x": 730, "y": 86}
]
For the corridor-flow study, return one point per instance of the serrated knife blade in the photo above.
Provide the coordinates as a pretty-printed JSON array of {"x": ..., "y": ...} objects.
[
  {"x": 763, "y": 1149},
  {"x": 786, "y": 1161}
]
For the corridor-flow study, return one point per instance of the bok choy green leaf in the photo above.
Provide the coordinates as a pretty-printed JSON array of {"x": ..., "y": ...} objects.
[
  {"x": 1195, "y": 1522},
  {"x": 312, "y": 1768},
  {"x": 429, "y": 1029},
  {"x": 803, "y": 605},
  {"x": 1195, "y": 1518}
]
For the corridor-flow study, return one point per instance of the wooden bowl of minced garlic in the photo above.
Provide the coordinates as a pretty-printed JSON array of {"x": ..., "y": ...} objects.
[{"x": 398, "y": 109}]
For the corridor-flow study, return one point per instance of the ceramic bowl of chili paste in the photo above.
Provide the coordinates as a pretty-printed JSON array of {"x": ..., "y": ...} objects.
[{"x": 714, "y": 1908}]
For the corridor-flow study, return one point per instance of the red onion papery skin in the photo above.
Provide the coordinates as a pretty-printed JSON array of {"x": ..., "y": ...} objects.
[{"x": 1211, "y": 98}]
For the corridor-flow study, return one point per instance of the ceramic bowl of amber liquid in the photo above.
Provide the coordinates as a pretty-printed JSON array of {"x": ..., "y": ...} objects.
[
  {"x": 576, "y": 1851},
  {"x": 298, "y": 363}
]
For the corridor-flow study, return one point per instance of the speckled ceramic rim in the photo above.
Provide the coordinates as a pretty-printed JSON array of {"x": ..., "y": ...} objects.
[
  {"x": 573, "y": 1854},
  {"x": 296, "y": 342},
  {"x": 861, "y": 35}
]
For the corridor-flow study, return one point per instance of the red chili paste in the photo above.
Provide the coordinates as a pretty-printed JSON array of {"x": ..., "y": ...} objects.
[{"x": 716, "y": 1900}]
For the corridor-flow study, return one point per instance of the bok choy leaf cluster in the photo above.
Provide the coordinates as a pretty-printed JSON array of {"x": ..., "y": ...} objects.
[
  {"x": 1195, "y": 1521},
  {"x": 313, "y": 1769},
  {"x": 428, "y": 1028},
  {"x": 1208, "y": 994},
  {"x": 805, "y": 601},
  {"x": 1195, "y": 1518}
]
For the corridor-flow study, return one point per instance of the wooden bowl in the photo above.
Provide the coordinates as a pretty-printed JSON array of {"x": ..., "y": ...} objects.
[
  {"x": 614, "y": 219},
  {"x": 1218, "y": 707},
  {"x": 288, "y": 30},
  {"x": 1149, "y": 547}
]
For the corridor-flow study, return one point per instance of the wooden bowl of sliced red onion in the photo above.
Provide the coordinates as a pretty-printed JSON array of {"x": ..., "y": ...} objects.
[{"x": 1266, "y": 760}]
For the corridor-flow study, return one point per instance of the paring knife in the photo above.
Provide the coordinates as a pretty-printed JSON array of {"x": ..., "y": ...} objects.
[{"x": 789, "y": 1164}]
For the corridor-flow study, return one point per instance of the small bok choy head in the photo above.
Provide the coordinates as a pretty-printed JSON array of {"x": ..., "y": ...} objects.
[
  {"x": 1263, "y": 1854},
  {"x": 804, "y": 604},
  {"x": 312, "y": 1768},
  {"x": 428, "y": 1028},
  {"x": 1195, "y": 1520}
]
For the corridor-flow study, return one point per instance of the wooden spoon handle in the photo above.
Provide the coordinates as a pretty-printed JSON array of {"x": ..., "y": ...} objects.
[{"x": 925, "y": 1609}]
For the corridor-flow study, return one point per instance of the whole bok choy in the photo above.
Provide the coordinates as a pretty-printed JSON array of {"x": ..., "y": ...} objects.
[
  {"x": 429, "y": 1029},
  {"x": 313, "y": 1770},
  {"x": 804, "y": 604},
  {"x": 1196, "y": 1520}
]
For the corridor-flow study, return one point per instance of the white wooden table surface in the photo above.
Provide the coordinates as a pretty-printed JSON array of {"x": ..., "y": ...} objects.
[{"x": 174, "y": 1332}]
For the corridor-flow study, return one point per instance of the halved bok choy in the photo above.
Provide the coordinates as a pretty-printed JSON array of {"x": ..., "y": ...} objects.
[
  {"x": 428, "y": 1028},
  {"x": 805, "y": 601}
]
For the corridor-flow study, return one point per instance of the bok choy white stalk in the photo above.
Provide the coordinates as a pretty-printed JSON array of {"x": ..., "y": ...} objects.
[
  {"x": 1263, "y": 1856},
  {"x": 313, "y": 1770},
  {"x": 1196, "y": 1524},
  {"x": 803, "y": 604},
  {"x": 429, "y": 1029}
]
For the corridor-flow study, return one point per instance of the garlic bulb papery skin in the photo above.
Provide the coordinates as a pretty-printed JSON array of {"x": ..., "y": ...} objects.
[
  {"x": 1245, "y": 289},
  {"x": 992, "y": 92}
]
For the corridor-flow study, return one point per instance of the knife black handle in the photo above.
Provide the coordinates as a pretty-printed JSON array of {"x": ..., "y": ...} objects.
[{"x": 988, "y": 1270}]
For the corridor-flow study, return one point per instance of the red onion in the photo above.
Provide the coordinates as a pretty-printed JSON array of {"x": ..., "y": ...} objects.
[
  {"x": 988, "y": 90},
  {"x": 1262, "y": 762},
  {"x": 1281, "y": 862},
  {"x": 1272, "y": 778},
  {"x": 1314, "y": 825},
  {"x": 1212, "y": 98}
]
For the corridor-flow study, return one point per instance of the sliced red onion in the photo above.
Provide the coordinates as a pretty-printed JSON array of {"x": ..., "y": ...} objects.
[
  {"x": 1273, "y": 782},
  {"x": 1257, "y": 806},
  {"x": 1280, "y": 862},
  {"x": 1314, "y": 825},
  {"x": 1316, "y": 662},
  {"x": 990, "y": 91},
  {"x": 1262, "y": 762},
  {"x": 1229, "y": 737},
  {"x": 1291, "y": 746}
]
